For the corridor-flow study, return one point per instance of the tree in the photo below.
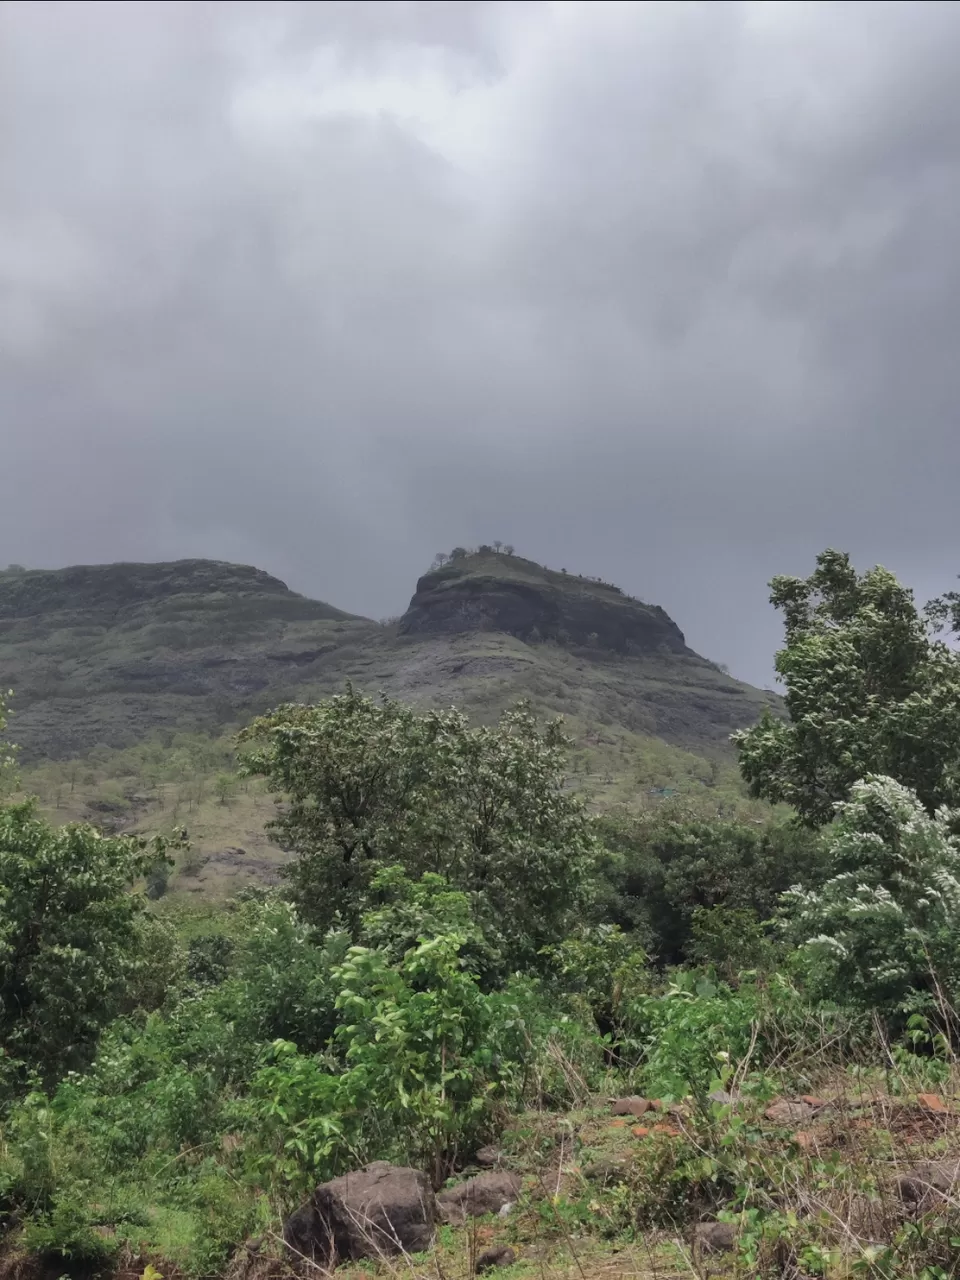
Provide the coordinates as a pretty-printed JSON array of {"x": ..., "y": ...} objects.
[
  {"x": 665, "y": 867},
  {"x": 8, "y": 754},
  {"x": 369, "y": 784},
  {"x": 224, "y": 784},
  {"x": 439, "y": 560},
  {"x": 885, "y": 925},
  {"x": 869, "y": 691},
  {"x": 497, "y": 544},
  {"x": 508, "y": 549},
  {"x": 68, "y": 936},
  {"x": 458, "y": 553}
]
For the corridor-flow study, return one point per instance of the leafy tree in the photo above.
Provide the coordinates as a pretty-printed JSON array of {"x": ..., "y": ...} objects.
[
  {"x": 224, "y": 785},
  {"x": 886, "y": 924},
  {"x": 68, "y": 936},
  {"x": 372, "y": 783},
  {"x": 8, "y": 754},
  {"x": 869, "y": 690},
  {"x": 458, "y": 553},
  {"x": 508, "y": 549},
  {"x": 664, "y": 868}
]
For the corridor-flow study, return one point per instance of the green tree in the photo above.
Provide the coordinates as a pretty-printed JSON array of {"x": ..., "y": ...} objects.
[
  {"x": 664, "y": 868},
  {"x": 869, "y": 690},
  {"x": 8, "y": 754},
  {"x": 886, "y": 923},
  {"x": 68, "y": 937},
  {"x": 372, "y": 783}
]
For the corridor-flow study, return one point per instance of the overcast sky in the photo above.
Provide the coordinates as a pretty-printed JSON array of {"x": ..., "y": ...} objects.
[{"x": 667, "y": 293}]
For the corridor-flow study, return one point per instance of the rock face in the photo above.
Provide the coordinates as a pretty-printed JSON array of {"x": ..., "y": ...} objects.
[
  {"x": 516, "y": 596},
  {"x": 380, "y": 1211},
  {"x": 486, "y": 1193}
]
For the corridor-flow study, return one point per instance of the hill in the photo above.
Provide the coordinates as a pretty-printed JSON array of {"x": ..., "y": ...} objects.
[{"x": 127, "y": 678}]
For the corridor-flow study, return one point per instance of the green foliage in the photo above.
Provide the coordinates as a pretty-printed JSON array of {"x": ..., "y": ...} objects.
[
  {"x": 68, "y": 936},
  {"x": 886, "y": 924},
  {"x": 8, "y": 755},
  {"x": 369, "y": 784},
  {"x": 868, "y": 692},
  {"x": 667, "y": 867}
]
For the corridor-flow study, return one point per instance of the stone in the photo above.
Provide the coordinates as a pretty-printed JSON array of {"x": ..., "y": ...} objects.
[
  {"x": 933, "y": 1102},
  {"x": 487, "y": 1157},
  {"x": 607, "y": 1172},
  {"x": 724, "y": 1098},
  {"x": 505, "y": 1210},
  {"x": 715, "y": 1237},
  {"x": 500, "y": 1256},
  {"x": 929, "y": 1182},
  {"x": 785, "y": 1112},
  {"x": 486, "y": 1193},
  {"x": 630, "y": 1106},
  {"x": 376, "y": 1212}
]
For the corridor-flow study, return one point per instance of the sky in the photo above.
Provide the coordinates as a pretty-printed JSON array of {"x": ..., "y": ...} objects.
[{"x": 667, "y": 293}]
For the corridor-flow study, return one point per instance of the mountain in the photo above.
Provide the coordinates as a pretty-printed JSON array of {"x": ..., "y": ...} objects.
[
  {"x": 106, "y": 655},
  {"x": 126, "y": 678}
]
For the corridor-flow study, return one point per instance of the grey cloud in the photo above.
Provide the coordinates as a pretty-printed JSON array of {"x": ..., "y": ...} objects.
[{"x": 664, "y": 292}]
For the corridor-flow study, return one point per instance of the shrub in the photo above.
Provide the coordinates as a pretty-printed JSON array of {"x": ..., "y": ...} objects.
[{"x": 884, "y": 930}]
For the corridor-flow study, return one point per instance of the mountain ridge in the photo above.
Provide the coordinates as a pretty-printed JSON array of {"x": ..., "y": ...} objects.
[{"x": 105, "y": 656}]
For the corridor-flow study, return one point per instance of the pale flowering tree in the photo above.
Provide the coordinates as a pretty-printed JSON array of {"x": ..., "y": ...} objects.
[
  {"x": 8, "y": 754},
  {"x": 886, "y": 925}
]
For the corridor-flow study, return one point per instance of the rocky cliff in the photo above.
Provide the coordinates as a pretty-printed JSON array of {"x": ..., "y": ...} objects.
[{"x": 505, "y": 593}]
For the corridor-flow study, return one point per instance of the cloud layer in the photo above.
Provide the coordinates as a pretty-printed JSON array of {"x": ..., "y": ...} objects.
[{"x": 664, "y": 292}]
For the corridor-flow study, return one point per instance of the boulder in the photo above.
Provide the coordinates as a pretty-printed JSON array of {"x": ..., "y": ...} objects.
[
  {"x": 715, "y": 1237},
  {"x": 929, "y": 1182},
  {"x": 486, "y": 1193},
  {"x": 630, "y": 1106},
  {"x": 501, "y": 1256},
  {"x": 488, "y": 1157},
  {"x": 376, "y": 1212},
  {"x": 786, "y": 1112}
]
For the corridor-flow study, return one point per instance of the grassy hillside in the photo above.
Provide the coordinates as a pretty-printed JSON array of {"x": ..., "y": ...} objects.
[{"x": 130, "y": 679}]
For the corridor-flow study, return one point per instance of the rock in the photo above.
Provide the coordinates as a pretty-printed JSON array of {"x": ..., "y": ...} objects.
[
  {"x": 928, "y": 1182},
  {"x": 607, "y": 1172},
  {"x": 488, "y": 1157},
  {"x": 715, "y": 1237},
  {"x": 505, "y": 1210},
  {"x": 486, "y": 1193},
  {"x": 501, "y": 1256},
  {"x": 378, "y": 1211},
  {"x": 630, "y": 1106},
  {"x": 933, "y": 1102},
  {"x": 784, "y": 1112},
  {"x": 724, "y": 1098}
]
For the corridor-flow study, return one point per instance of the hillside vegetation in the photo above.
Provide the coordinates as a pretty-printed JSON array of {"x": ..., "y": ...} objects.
[
  {"x": 130, "y": 680},
  {"x": 678, "y": 1043}
]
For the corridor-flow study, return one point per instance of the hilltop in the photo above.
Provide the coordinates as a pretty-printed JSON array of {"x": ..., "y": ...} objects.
[
  {"x": 488, "y": 591},
  {"x": 104, "y": 659}
]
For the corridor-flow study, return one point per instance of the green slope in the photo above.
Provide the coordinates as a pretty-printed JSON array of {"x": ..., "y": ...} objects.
[{"x": 127, "y": 677}]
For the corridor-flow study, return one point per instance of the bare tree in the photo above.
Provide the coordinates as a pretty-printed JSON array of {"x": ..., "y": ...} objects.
[
  {"x": 497, "y": 544},
  {"x": 508, "y": 549},
  {"x": 439, "y": 559}
]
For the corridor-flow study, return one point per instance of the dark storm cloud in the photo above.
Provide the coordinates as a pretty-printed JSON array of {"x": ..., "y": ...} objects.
[{"x": 664, "y": 292}]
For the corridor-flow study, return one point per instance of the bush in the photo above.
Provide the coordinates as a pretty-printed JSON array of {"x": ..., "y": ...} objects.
[
  {"x": 883, "y": 932},
  {"x": 368, "y": 784},
  {"x": 664, "y": 868}
]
